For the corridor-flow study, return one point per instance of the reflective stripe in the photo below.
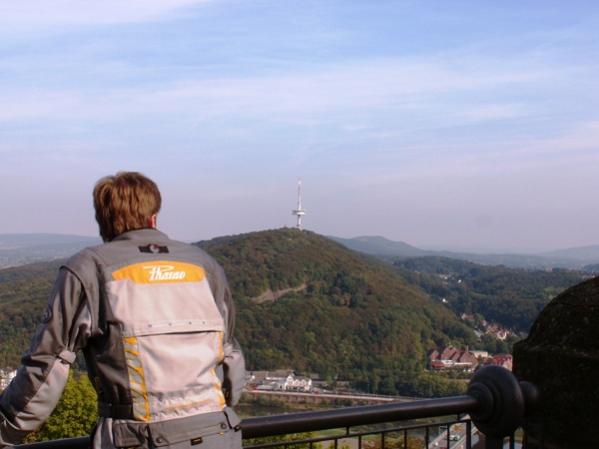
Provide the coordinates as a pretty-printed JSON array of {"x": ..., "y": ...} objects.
[{"x": 137, "y": 381}]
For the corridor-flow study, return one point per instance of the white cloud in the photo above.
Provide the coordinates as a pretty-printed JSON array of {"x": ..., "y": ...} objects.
[{"x": 366, "y": 85}]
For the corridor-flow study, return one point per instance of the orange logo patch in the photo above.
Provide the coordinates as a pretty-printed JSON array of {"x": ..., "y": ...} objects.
[{"x": 160, "y": 272}]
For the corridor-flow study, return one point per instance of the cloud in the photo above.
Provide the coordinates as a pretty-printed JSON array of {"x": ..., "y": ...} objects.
[
  {"x": 358, "y": 86},
  {"x": 496, "y": 111},
  {"x": 574, "y": 149},
  {"x": 36, "y": 15}
]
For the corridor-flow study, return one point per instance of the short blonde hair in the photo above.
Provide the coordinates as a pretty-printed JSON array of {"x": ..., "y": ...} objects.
[{"x": 125, "y": 202}]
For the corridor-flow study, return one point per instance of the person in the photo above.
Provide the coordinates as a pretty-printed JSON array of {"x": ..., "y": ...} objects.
[{"x": 154, "y": 319}]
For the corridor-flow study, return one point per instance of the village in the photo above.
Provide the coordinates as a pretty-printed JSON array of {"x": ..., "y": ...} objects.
[
  {"x": 465, "y": 360},
  {"x": 447, "y": 359}
]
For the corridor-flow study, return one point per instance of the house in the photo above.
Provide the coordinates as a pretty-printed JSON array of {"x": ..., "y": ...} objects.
[
  {"x": 504, "y": 360},
  {"x": 497, "y": 331},
  {"x": 452, "y": 358},
  {"x": 481, "y": 355}
]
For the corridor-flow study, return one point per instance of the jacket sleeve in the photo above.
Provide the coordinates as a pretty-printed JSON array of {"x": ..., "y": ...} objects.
[
  {"x": 33, "y": 394},
  {"x": 233, "y": 363}
]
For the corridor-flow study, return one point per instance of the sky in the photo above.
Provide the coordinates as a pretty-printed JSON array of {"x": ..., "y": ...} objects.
[{"x": 446, "y": 124}]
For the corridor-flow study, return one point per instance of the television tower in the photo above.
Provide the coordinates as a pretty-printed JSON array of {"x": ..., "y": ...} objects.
[{"x": 299, "y": 211}]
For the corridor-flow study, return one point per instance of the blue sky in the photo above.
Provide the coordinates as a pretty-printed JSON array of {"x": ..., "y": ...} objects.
[{"x": 467, "y": 125}]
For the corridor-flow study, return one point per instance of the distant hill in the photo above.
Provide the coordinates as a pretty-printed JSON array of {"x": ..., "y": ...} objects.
[
  {"x": 574, "y": 258},
  {"x": 21, "y": 249},
  {"x": 380, "y": 246},
  {"x": 584, "y": 254},
  {"x": 592, "y": 268}
]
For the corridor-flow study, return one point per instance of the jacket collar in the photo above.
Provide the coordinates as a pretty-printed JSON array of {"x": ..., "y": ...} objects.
[{"x": 142, "y": 234}]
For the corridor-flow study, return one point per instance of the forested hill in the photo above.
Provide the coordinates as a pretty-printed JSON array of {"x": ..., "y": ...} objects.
[
  {"x": 303, "y": 302},
  {"x": 23, "y": 295},
  {"x": 347, "y": 315},
  {"x": 510, "y": 297}
]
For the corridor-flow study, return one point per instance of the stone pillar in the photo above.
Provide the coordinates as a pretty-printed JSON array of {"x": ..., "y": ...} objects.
[{"x": 561, "y": 358}]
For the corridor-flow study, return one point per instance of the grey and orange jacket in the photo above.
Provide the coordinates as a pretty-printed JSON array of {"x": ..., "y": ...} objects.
[{"x": 154, "y": 319}]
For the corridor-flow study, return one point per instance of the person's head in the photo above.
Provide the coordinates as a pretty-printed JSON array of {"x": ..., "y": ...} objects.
[{"x": 125, "y": 202}]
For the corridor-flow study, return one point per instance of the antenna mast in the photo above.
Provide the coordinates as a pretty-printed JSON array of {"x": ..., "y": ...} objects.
[{"x": 299, "y": 212}]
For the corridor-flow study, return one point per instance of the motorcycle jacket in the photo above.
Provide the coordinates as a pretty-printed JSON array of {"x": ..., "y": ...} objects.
[{"x": 154, "y": 319}]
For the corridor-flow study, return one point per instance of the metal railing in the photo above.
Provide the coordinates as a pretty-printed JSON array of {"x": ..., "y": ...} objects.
[
  {"x": 437, "y": 435},
  {"x": 495, "y": 402}
]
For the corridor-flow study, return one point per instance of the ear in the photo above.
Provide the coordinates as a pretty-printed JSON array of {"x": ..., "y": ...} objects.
[{"x": 152, "y": 221}]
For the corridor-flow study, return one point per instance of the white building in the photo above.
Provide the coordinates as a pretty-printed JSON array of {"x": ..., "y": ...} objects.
[
  {"x": 281, "y": 381},
  {"x": 299, "y": 384}
]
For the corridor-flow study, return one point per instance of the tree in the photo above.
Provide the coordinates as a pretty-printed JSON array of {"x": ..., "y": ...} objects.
[{"x": 75, "y": 414}]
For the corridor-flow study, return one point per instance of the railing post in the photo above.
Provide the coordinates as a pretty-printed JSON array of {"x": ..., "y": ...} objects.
[
  {"x": 468, "y": 435},
  {"x": 503, "y": 402}
]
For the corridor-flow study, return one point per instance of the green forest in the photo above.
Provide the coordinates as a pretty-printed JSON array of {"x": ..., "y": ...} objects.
[
  {"x": 23, "y": 295},
  {"x": 350, "y": 317},
  {"x": 356, "y": 319},
  {"x": 507, "y": 296}
]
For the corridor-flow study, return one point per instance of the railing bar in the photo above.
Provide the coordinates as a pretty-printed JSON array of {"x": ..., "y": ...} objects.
[
  {"x": 304, "y": 441},
  {"x": 382, "y": 440},
  {"x": 512, "y": 441},
  {"x": 393, "y": 429},
  {"x": 352, "y": 416},
  {"x": 426, "y": 437},
  {"x": 364, "y": 433},
  {"x": 329, "y": 437},
  {"x": 336, "y": 443},
  {"x": 402, "y": 430},
  {"x": 290, "y": 443},
  {"x": 405, "y": 439}
]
